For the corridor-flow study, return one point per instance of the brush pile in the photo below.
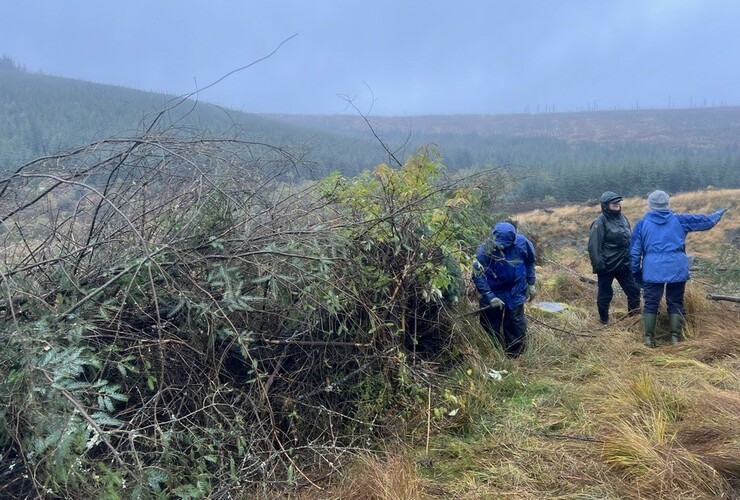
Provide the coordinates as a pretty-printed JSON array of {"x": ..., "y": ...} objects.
[{"x": 180, "y": 319}]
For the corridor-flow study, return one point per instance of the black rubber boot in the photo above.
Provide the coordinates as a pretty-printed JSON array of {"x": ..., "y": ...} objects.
[
  {"x": 675, "y": 323},
  {"x": 649, "y": 320}
]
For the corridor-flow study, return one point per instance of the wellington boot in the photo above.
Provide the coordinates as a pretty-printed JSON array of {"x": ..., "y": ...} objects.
[
  {"x": 649, "y": 320},
  {"x": 675, "y": 323}
]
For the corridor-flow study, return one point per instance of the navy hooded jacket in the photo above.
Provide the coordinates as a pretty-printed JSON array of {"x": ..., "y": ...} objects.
[
  {"x": 657, "y": 249},
  {"x": 504, "y": 266}
]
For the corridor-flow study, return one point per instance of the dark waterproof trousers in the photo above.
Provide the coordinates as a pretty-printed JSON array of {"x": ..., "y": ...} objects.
[
  {"x": 606, "y": 293},
  {"x": 674, "y": 293},
  {"x": 512, "y": 337}
]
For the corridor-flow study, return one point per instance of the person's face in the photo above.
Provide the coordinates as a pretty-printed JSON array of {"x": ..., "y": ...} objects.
[{"x": 616, "y": 206}]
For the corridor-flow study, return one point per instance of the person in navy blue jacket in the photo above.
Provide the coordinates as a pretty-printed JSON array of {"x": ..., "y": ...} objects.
[
  {"x": 503, "y": 273},
  {"x": 658, "y": 260}
]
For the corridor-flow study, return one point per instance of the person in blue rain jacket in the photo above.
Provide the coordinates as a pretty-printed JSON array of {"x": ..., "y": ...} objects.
[
  {"x": 658, "y": 260},
  {"x": 503, "y": 273}
]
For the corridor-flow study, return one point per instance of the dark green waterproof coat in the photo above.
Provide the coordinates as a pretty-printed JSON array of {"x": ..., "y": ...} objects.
[{"x": 609, "y": 239}]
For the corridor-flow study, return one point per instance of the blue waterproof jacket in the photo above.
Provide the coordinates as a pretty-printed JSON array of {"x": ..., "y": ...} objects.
[
  {"x": 657, "y": 248},
  {"x": 504, "y": 266}
]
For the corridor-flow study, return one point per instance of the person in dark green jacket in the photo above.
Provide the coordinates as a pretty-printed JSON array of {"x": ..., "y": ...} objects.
[{"x": 609, "y": 250}]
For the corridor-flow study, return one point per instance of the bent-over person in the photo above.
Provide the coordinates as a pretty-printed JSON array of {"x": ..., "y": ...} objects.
[{"x": 503, "y": 273}]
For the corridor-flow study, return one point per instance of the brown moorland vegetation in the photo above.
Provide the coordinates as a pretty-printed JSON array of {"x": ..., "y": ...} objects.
[{"x": 696, "y": 127}]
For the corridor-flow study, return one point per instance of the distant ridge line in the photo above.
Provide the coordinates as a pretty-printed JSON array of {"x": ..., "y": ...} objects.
[{"x": 690, "y": 127}]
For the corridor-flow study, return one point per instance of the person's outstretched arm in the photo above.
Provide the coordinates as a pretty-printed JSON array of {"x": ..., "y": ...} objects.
[{"x": 699, "y": 222}]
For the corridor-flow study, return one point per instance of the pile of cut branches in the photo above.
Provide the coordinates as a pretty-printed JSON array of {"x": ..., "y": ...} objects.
[{"x": 180, "y": 319}]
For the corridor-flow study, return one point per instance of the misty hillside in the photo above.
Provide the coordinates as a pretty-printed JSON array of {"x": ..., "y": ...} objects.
[
  {"x": 41, "y": 115},
  {"x": 572, "y": 156},
  {"x": 553, "y": 156}
]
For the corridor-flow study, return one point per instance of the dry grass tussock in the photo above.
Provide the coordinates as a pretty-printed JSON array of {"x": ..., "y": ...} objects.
[
  {"x": 653, "y": 465},
  {"x": 709, "y": 430},
  {"x": 588, "y": 411},
  {"x": 391, "y": 476}
]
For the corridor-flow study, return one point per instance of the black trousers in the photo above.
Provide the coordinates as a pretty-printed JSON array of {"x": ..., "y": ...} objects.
[
  {"x": 606, "y": 293},
  {"x": 512, "y": 337}
]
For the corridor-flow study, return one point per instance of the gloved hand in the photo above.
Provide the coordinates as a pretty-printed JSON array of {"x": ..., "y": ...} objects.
[
  {"x": 638, "y": 277},
  {"x": 531, "y": 292},
  {"x": 496, "y": 303},
  {"x": 722, "y": 211}
]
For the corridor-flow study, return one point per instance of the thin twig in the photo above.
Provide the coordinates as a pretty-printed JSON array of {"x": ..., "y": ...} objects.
[
  {"x": 588, "y": 439},
  {"x": 429, "y": 419},
  {"x": 318, "y": 343}
]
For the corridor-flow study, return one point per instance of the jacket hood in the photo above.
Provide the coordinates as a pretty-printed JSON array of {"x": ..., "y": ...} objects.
[
  {"x": 504, "y": 233},
  {"x": 606, "y": 198},
  {"x": 659, "y": 216}
]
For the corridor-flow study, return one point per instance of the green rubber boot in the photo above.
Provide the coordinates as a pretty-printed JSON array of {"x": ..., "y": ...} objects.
[
  {"x": 675, "y": 323},
  {"x": 649, "y": 321}
]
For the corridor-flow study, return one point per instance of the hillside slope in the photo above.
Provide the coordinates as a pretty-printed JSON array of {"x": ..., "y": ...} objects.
[
  {"x": 573, "y": 156},
  {"x": 41, "y": 114}
]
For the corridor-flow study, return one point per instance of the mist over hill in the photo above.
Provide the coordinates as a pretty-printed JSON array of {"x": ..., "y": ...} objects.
[
  {"x": 571, "y": 156},
  {"x": 558, "y": 156},
  {"x": 42, "y": 115}
]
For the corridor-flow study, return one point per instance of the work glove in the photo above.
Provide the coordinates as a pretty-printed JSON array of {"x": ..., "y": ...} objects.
[
  {"x": 531, "y": 292},
  {"x": 496, "y": 303}
]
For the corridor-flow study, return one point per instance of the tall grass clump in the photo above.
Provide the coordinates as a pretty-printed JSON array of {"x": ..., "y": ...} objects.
[
  {"x": 654, "y": 466},
  {"x": 388, "y": 476},
  {"x": 649, "y": 440}
]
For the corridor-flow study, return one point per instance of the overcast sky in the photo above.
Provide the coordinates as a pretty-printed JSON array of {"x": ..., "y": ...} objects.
[{"x": 414, "y": 57}]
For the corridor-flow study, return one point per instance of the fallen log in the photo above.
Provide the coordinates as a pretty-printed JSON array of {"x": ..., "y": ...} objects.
[{"x": 728, "y": 298}]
